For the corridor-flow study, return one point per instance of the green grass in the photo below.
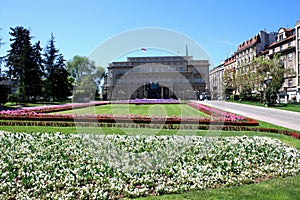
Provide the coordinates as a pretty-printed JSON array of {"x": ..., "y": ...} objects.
[
  {"x": 133, "y": 131},
  {"x": 146, "y": 109},
  {"x": 280, "y": 188},
  {"x": 12, "y": 105},
  {"x": 281, "y": 106}
]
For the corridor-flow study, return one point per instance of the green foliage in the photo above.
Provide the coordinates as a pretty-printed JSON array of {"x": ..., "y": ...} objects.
[
  {"x": 3, "y": 94},
  {"x": 87, "y": 77},
  {"x": 24, "y": 63},
  {"x": 276, "y": 71},
  {"x": 56, "y": 85},
  {"x": 13, "y": 98}
]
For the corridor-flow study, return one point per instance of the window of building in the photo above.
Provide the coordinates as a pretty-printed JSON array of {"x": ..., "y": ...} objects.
[
  {"x": 289, "y": 44},
  {"x": 281, "y": 47},
  {"x": 290, "y": 83},
  {"x": 298, "y": 32},
  {"x": 290, "y": 57},
  {"x": 181, "y": 69},
  {"x": 280, "y": 37}
]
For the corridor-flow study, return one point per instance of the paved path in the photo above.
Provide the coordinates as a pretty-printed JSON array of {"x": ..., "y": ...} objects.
[{"x": 278, "y": 117}]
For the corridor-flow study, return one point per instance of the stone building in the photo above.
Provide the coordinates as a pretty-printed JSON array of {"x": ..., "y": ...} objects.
[
  {"x": 216, "y": 82},
  {"x": 250, "y": 49},
  {"x": 157, "y": 77},
  {"x": 285, "y": 46}
]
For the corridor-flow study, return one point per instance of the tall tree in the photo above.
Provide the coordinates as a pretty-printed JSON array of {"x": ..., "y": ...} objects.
[
  {"x": 86, "y": 75},
  {"x": 57, "y": 84},
  {"x": 275, "y": 69},
  {"x": 23, "y": 63},
  {"x": 1, "y": 58}
]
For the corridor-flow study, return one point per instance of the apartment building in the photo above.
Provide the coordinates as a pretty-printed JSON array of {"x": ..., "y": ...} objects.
[
  {"x": 285, "y": 45},
  {"x": 216, "y": 83}
]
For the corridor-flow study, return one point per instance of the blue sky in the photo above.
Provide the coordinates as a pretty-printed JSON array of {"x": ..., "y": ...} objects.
[{"x": 80, "y": 26}]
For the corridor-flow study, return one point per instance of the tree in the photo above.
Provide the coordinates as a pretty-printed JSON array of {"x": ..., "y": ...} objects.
[
  {"x": 23, "y": 62},
  {"x": 86, "y": 75},
  {"x": 3, "y": 94},
  {"x": 1, "y": 58},
  {"x": 56, "y": 82},
  {"x": 272, "y": 67}
]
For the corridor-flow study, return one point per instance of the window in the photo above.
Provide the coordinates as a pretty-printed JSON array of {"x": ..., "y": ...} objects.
[
  {"x": 280, "y": 37},
  {"x": 290, "y": 57},
  {"x": 290, "y": 83},
  {"x": 181, "y": 69},
  {"x": 281, "y": 47}
]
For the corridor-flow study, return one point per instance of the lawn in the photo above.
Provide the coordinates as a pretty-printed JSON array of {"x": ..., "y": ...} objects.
[
  {"x": 278, "y": 188},
  {"x": 281, "y": 188},
  {"x": 146, "y": 109},
  {"x": 281, "y": 106},
  {"x": 144, "y": 131},
  {"x": 221, "y": 153}
]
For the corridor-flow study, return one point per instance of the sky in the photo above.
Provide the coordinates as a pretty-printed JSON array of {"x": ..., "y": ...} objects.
[{"x": 79, "y": 27}]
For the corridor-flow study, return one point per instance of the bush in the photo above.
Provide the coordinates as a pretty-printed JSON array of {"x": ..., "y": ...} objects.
[
  {"x": 13, "y": 98},
  {"x": 3, "y": 94}
]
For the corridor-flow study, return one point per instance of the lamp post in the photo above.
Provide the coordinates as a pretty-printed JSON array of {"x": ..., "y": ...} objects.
[{"x": 266, "y": 83}]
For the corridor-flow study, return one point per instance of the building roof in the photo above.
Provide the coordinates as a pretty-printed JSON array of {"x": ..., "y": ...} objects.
[
  {"x": 249, "y": 43},
  {"x": 229, "y": 60},
  {"x": 276, "y": 43}
]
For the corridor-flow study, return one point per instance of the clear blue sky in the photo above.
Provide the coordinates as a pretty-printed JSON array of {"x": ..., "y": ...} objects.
[{"x": 80, "y": 26}]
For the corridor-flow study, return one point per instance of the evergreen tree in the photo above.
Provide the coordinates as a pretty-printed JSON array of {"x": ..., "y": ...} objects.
[
  {"x": 56, "y": 83},
  {"x": 23, "y": 62}
]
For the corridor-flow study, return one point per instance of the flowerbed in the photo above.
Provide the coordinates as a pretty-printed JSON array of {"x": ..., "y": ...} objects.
[
  {"x": 227, "y": 117},
  {"x": 147, "y": 101},
  {"x": 56, "y": 108},
  {"x": 52, "y": 166},
  {"x": 36, "y": 113}
]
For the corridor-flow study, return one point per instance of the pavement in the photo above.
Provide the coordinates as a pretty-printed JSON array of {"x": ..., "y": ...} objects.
[{"x": 287, "y": 119}]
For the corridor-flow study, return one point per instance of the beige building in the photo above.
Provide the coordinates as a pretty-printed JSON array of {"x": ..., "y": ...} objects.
[
  {"x": 285, "y": 46},
  {"x": 157, "y": 77},
  {"x": 297, "y": 64},
  {"x": 216, "y": 82},
  {"x": 250, "y": 49}
]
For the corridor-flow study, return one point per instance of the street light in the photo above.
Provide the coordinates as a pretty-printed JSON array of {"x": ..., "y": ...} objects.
[{"x": 266, "y": 83}]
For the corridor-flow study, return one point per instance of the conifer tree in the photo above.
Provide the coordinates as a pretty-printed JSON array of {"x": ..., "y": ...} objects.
[
  {"x": 23, "y": 62},
  {"x": 56, "y": 83}
]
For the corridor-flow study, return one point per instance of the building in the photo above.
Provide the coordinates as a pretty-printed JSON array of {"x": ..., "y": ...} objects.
[
  {"x": 229, "y": 74},
  {"x": 157, "y": 77},
  {"x": 216, "y": 82},
  {"x": 297, "y": 64},
  {"x": 285, "y": 46},
  {"x": 250, "y": 49}
]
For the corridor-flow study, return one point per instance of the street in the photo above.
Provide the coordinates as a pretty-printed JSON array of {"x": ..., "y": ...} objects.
[{"x": 278, "y": 117}]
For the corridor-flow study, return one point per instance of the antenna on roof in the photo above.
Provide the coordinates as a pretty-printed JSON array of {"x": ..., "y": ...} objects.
[{"x": 186, "y": 50}]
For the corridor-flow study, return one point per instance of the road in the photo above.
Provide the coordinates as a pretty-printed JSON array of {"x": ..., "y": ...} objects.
[{"x": 278, "y": 117}]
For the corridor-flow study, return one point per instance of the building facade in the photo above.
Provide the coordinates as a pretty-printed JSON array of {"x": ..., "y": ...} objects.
[
  {"x": 250, "y": 49},
  {"x": 216, "y": 83},
  {"x": 285, "y": 46},
  {"x": 285, "y": 42},
  {"x": 157, "y": 77}
]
